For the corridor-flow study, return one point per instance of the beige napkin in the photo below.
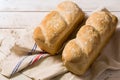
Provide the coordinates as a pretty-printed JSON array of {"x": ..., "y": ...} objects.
[
  {"x": 106, "y": 67},
  {"x": 22, "y": 43},
  {"x": 47, "y": 69}
]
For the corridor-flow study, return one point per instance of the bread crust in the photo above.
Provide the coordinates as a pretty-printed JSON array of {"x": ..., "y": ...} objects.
[
  {"x": 57, "y": 26},
  {"x": 90, "y": 40}
]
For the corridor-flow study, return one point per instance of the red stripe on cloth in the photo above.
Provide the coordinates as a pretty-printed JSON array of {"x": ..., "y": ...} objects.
[{"x": 36, "y": 58}]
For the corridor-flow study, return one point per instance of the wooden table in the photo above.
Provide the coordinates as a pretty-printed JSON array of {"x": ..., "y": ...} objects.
[{"x": 20, "y": 14}]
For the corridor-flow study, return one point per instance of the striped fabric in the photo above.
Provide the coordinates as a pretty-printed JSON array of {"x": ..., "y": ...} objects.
[{"x": 30, "y": 60}]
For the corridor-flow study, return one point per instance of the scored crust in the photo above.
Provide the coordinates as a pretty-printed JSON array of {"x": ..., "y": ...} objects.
[
  {"x": 52, "y": 25},
  {"x": 101, "y": 21},
  {"x": 56, "y": 27},
  {"x": 90, "y": 40},
  {"x": 69, "y": 11}
]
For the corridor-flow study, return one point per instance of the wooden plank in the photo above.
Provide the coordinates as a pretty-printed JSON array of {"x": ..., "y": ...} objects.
[
  {"x": 20, "y": 19},
  {"x": 26, "y": 19},
  {"x": 48, "y": 5}
]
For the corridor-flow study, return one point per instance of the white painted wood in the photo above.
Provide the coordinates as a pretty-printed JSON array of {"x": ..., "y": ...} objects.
[
  {"x": 25, "y": 19},
  {"x": 48, "y": 5},
  {"x": 20, "y": 19}
]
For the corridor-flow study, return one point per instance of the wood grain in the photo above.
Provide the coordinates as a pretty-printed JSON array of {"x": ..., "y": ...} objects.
[
  {"x": 25, "y": 19},
  {"x": 20, "y": 19},
  {"x": 48, "y": 5}
]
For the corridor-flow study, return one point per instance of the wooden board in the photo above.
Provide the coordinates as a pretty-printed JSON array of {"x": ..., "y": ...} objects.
[
  {"x": 48, "y": 5},
  {"x": 25, "y": 19}
]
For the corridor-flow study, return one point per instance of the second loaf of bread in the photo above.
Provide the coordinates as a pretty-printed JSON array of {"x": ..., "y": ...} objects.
[
  {"x": 80, "y": 52},
  {"x": 57, "y": 26}
]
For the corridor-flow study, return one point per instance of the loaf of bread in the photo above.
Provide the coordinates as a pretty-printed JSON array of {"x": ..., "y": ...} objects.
[
  {"x": 80, "y": 53},
  {"x": 57, "y": 26}
]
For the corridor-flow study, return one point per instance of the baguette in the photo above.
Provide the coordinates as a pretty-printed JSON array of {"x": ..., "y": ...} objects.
[
  {"x": 80, "y": 53},
  {"x": 57, "y": 26}
]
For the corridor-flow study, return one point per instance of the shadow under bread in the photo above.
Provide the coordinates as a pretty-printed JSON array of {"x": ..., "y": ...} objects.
[{"x": 73, "y": 34}]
